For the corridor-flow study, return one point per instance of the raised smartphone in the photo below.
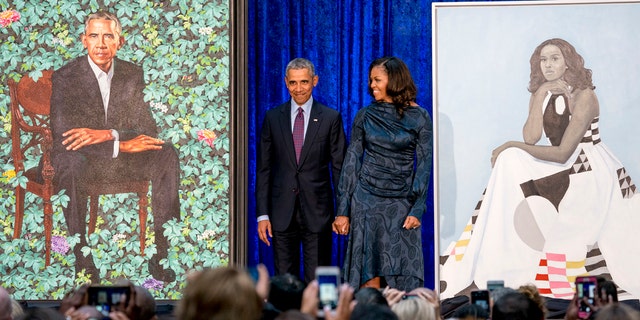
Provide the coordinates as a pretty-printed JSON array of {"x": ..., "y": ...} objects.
[
  {"x": 586, "y": 287},
  {"x": 328, "y": 285},
  {"x": 495, "y": 284},
  {"x": 106, "y": 297},
  {"x": 481, "y": 298}
]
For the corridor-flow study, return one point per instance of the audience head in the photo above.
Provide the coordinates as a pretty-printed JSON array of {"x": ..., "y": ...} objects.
[
  {"x": 532, "y": 292},
  {"x": 6, "y": 305},
  {"x": 415, "y": 309},
  {"x": 146, "y": 302},
  {"x": 499, "y": 292},
  {"x": 607, "y": 289},
  {"x": 16, "y": 309},
  {"x": 372, "y": 312},
  {"x": 617, "y": 311},
  {"x": 91, "y": 311},
  {"x": 470, "y": 312},
  {"x": 294, "y": 315},
  {"x": 285, "y": 292},
  {"x": 368, "y": 295},
  {"x": 516, "y": 306},
  {"x": 39, "y": 313},
  {"x": 220, "y": 293}
]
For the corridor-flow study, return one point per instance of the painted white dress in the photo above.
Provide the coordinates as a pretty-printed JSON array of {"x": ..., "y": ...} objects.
[{"x": 545, "y": 223}]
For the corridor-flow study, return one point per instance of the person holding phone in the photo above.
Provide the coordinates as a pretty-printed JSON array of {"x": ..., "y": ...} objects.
[{"x": 383, "y": 183}]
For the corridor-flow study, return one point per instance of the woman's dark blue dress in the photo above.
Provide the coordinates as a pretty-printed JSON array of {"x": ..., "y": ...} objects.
[{"x": 384, "y": 179}]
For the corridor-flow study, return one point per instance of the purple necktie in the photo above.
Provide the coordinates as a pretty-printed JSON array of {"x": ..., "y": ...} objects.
[{"x": 298, "y": 133}]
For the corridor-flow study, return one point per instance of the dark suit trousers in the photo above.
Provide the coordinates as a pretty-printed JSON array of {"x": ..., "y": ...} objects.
[
  {"x": 316, "y": 247},
  {"x": 162, "y": 167}
]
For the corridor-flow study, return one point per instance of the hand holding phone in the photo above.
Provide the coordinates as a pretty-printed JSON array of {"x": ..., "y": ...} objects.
[
  {"x": 586, "y": 288},
  {"x": 328, "y": 285}
]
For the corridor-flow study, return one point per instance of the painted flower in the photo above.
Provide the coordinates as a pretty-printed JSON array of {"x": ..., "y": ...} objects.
[
  {"x": 206, "y": 235},
  {"x": 153, "y": 284},
  {"x": 9, "y": 16},
  {"x": 118, "y": 237},
  {"x": 159, "y": 106},
  {"x": 9, "y": 174},
  {"x": 207, "y": 136},
  {"x": 205, "y": 31},
  {"x": 59, "y": 245}
]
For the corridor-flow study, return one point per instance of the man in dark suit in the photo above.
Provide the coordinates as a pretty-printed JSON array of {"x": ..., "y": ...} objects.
[
  {"x": 299, "y": 159},
  {"x": 103, "y": 129}
]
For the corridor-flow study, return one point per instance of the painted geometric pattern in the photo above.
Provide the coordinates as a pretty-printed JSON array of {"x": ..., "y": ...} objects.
[
  {"x": 626, "y": 185},
  {"x": 596, "y": 265},
  {"x": 581, "y": 164},
  {"x": 556, "y": 275},
  {"x": 458, "y": 248},
  {"x": 593, "y": 133}
]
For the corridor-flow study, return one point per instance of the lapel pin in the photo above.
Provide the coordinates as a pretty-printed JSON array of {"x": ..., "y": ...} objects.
[{"x": 315, "y": 120}]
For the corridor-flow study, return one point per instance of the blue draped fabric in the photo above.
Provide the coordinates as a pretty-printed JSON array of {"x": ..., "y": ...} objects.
[{"x": 341, "y": 38}]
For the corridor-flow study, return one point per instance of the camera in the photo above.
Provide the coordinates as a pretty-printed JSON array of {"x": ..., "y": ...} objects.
[{"x": 328, "y": 286}]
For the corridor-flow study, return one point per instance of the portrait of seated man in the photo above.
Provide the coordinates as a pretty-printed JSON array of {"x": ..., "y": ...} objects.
[{"x": 103, "y": 130}]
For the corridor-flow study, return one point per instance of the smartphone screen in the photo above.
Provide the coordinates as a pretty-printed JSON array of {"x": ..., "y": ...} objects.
[
  {"x": 481, "y": 298},
  {"x": 328, "y": 284},
  {"x": 105, "y": 297},
  {"x": 586, "y": 287},
  {"x": 495, "y": 284}
]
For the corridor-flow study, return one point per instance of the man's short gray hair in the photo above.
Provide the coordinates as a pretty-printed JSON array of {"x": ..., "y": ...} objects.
[
  {"x": 106, "y": 16},
  {"x": 301, "y": 63}
]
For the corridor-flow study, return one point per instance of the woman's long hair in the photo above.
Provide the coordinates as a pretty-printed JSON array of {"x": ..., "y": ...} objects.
[{"x": 576, "y": 75}]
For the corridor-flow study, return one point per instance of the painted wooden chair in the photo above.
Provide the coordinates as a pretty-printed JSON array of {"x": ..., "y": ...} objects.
[{"x": 30, "y": 107}]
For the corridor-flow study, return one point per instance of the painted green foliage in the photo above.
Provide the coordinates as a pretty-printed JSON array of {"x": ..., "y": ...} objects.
[{"x": 183, "y": 47}]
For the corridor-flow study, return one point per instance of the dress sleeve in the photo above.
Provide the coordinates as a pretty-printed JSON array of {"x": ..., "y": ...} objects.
[
  {"x": 422, "y": 175},
  {"x": 351, "y": 165}
]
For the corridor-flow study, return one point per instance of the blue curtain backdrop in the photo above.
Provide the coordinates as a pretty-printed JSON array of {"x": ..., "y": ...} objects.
[{"x": 341, "y": 38}]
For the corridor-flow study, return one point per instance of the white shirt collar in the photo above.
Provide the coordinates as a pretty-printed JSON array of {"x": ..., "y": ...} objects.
[
  {"x": 305, "y": 106},
  {"x": 97, "y": 71}
]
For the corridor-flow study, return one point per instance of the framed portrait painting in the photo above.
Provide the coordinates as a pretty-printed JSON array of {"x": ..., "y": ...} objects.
[{"x": 535, "y": 114}]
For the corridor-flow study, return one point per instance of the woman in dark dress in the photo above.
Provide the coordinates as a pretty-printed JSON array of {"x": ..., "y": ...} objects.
[{"x": 383, "y": 183}]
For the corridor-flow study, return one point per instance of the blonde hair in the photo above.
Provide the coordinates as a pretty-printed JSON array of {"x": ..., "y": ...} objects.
[
  {"x": 415, "y": 309},
  {"x": 531, "y": 291},
  {"x": 221, "y": 293}
]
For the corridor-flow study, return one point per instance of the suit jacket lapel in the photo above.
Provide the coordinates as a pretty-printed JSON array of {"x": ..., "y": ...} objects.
[
  {"x": 287, "y": 135},
  {"x": 87, "y": 80},
  {"x": 315, "y": 119},
  {"x": 117, "y": 85}
]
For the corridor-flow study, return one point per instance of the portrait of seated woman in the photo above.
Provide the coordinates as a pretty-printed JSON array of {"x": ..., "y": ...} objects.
[{"x": 558, "y": 203}]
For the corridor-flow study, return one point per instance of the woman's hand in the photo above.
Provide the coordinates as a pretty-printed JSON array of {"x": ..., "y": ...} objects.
[
  {"x": 411, "y": 222},
  {"x": 556, "y": 87},
  {"x": 496, "y": 152},
  {"x": 392, "y": 295},
  {"x": 341, "y": 225}
]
